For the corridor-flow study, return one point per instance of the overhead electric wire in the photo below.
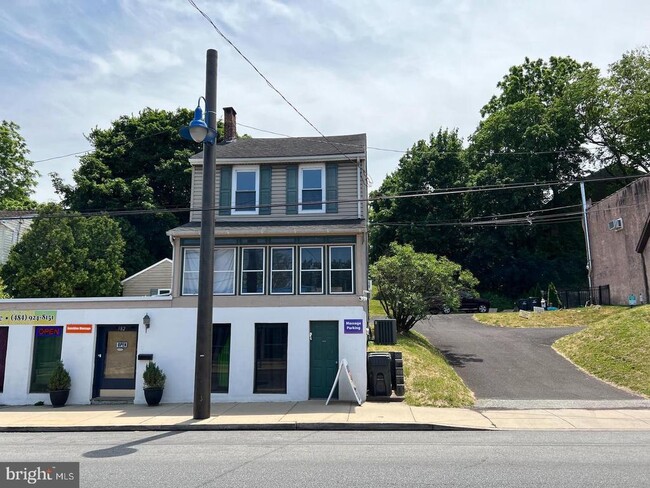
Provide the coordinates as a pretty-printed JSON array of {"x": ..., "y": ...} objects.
[{"x": 268, "y": 82}]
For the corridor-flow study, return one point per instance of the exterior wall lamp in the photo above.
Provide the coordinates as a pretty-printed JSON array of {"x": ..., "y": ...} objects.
[
  {"x": 198, "y": 130},
  {"x": 146, "y": 321}
]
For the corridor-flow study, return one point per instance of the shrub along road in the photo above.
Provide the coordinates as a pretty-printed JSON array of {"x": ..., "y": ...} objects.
[{"x": 506, "y": 364}]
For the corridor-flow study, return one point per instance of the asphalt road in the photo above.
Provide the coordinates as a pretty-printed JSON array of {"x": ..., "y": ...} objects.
[
  {"x": 326, "y": 459},
  {"x": 513, "y": 364}
]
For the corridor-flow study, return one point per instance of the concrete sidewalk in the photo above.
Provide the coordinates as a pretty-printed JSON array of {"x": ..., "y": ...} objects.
[{"x": 313, "y": 415}]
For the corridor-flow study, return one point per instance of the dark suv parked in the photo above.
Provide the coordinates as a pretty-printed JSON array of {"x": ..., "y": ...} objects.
[{"x": 468, "y": 303}]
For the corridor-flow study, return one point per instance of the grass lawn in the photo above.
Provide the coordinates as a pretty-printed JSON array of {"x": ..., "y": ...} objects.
[
  {"x": 375, "y": 309},
  {"x": 429, "y": 380},
  {"x": 560, "y": 318},
  {"x": 615, "y": 348}
]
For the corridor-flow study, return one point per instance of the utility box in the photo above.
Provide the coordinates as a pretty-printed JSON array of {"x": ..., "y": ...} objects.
[
  {"x": 379, "y": 374},
  {"x": 386, "y": 331}
]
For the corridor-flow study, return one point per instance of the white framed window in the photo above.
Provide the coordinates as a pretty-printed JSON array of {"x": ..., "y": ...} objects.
[
  {"x": 282, "y": 270},
  {"x": 245, "y": 189},
  {"x": 311, "y": 189},
  {"x": 311, "y": 270},
  {"x": 224, "y": 271},
  {"x": 252, "y": 271},
  {"x": 341, "y": 268},
  {"x": 190, "y": 285}
]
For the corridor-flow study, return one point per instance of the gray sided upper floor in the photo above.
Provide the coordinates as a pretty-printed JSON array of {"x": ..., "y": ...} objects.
[
  {"x": 285, "y": 179},
  {"x": 13, "y": 225}
]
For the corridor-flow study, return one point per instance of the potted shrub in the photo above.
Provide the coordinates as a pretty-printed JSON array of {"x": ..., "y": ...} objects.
[
  {"x": 59, "y": 385},
  {"x": 154, "y": 383}
]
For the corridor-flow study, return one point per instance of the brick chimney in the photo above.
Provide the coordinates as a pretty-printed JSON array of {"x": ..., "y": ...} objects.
[{"x": 229, "y": 124}]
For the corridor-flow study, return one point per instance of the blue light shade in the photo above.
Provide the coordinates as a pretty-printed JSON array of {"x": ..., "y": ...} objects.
[{"x": 198, "y": 131}]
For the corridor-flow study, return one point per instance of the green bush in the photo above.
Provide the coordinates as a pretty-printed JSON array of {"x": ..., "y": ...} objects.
[
  {"x": 60, "y": 378},
  {"x": 153, "y": 376}
]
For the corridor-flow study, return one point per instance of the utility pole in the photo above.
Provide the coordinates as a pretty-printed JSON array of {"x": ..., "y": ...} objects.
[
  {"x": 203, "y": 363},
  {"x": 586, "y": 229}
]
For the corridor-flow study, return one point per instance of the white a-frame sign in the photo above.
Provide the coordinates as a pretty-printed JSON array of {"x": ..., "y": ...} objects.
[{"x": 344, "y": 367}]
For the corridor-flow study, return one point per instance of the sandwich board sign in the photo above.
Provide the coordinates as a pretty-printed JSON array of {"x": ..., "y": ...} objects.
[{"x": 343, "y": 367}]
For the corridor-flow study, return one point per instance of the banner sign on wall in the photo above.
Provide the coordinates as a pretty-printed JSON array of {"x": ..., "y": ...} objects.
[
  {"x": 353, "y": 326},
  {"x": 78, "y": 328},
  {"x": 27, "y": 317},
  {"x": 55, "y": 331}
]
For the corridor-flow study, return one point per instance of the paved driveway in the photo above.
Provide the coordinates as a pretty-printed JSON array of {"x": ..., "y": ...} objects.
[{"x": 501, "y": 365}]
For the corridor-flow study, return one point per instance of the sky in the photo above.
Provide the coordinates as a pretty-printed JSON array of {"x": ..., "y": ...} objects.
[{"x": 397, "y": 71}]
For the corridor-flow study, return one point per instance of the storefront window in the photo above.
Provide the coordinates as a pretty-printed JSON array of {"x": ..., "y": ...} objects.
[
  {"x": 271, "y": 358},
  {"x": 47, "y": 351},
  {"x": 220, "y": 357}
]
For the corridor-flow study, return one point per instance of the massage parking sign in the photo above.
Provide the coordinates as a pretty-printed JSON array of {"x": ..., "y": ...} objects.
[{"x": 353, "y": 326}]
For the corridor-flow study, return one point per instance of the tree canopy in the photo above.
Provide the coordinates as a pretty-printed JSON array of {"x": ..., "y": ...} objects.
[
  {"x": 551, "y": 122},
  {"x": 66, "y": 255},
  {"x": 407, "y": 283},
  {"x": 17, "y": 174},
  {"x": 139, "y": 163}
]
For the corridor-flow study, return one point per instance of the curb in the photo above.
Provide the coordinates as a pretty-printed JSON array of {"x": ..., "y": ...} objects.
[{"x": 285, "y": 426}]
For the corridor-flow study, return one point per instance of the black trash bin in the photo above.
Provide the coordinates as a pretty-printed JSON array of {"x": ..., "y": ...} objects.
[{"x": 379, "y": 374}]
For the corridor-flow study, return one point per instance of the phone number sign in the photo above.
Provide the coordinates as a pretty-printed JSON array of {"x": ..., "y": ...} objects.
[{"x": 28, "y": 317}]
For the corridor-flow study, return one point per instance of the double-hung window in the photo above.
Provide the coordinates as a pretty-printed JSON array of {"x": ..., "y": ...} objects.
[
  {"x": 245, "y": 195},
  {"x": 311, "y": 270},
  {"x": 281, "y": 270},
  {"x": 252, "y": 271},
  {"x": 341, "y": 273},
  {"x": 224, "y": 272},
  {"x": 190, "y": 272},
  {"x": 312, "y": 189}
]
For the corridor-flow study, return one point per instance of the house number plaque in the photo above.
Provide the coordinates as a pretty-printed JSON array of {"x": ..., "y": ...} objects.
[{"x": 121, "y": 345}]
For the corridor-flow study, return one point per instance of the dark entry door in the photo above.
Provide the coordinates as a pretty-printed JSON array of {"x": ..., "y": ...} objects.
[
  {"x": 115, "y": 358},
  {"x": 323, "y": 357}
]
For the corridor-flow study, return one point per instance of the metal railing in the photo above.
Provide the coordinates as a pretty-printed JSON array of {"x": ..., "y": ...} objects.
[{"x": 598, "y": 295}]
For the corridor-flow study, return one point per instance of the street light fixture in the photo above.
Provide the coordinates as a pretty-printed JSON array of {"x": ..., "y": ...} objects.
[
  {"x": 198, "y": 130},
  {"x": 201, "y": 131}
]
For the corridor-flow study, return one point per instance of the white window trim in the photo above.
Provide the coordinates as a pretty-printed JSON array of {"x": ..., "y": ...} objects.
[
  {"x": 329, "y": 262},
  {"x": 183, "y": 293},
  {"x": 293, "y": 273},
  {"x": 322, "y": 272},
  {"x": 263, "y": 270},
  {"x": 234, "y": 271},
  {"x": 323, "y": 189},
  {"x": 233, "y": 197}
]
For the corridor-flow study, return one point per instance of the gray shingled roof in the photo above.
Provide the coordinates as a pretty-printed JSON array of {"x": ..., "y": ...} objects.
[{"x": 290, "y": 147}]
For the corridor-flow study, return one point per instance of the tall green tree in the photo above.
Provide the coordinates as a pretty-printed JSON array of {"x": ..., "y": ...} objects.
[
  {"x": 139, "y": 163},
  {"x": 66, "y": 255},
  {"x": 620, "y": 115},
  {"x": 407, "y": 283},
  {"x": 432, "y": 164},
  {"x": 17, "y": 174}
]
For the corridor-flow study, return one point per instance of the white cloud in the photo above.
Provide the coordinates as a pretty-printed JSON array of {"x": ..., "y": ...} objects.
[{"x": 395, "y": 70}]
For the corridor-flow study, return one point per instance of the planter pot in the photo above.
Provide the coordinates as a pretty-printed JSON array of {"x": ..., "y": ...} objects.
[
  {"x": 153, "y": 396},
  {"x": 59, "y": 397}
]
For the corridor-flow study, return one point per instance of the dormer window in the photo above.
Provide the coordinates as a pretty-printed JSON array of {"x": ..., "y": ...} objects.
[
  {"x": 245, "y": 195},
  {"x": 312, "y": 189}
]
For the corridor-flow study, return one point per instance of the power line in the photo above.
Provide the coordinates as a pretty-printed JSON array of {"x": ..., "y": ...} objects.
[
  {"x": 268, "y": 82},
  {"x": 119, "y": 213}
]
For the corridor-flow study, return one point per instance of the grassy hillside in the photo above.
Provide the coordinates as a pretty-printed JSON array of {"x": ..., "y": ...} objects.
[
  {"x": 429, "y": 380},
  {"x": 560, "y": 318},
  {"x": 615, "y": 348}
]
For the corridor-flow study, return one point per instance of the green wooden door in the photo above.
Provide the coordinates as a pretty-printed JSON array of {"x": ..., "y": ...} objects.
[{"x": 323, "y": 358}]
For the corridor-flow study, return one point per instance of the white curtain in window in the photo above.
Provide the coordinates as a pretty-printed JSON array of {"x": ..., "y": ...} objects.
[{"x": 224, "y": 271}]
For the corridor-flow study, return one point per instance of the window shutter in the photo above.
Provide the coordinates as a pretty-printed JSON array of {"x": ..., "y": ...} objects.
[
  {"x": 292, "y": 190},
  {"x": 225, "y": 190},
  {"x": 332, "y": 187},
  {"x": 265, "y": 190}
]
